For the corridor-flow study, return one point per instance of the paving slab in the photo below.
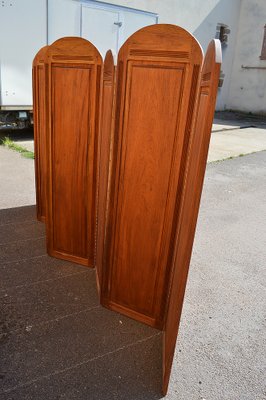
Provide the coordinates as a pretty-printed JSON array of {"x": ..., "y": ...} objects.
[{"x": 232, "y": 143}]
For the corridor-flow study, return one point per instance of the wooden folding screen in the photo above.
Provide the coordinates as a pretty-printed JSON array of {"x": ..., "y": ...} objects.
[
  {"x": 142, "y": 176},
  {"x": 73, "y": 68},
  {"x": 190, "y": 199},
  {"x": 39, "y": 107},
  {"x": 157, "y": 74}
]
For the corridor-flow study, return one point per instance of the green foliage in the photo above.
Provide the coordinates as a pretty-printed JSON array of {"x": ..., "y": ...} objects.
[{"x": 6, "y": 141}]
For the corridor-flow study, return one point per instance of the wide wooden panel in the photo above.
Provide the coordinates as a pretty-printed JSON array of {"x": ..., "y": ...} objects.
[
  {"x": 157, "y": 77},
  {"x": 190, "y": 200},
  {"x": 74, "y": 70},
  {"x": 144, "y": 200},
  {"x": 39, "y": 107},
  {"x": 107, "y": 111}
]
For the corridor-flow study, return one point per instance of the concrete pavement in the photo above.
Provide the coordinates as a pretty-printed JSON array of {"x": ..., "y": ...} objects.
[
  {"x": 234, "y": 142},
  {"x": 56, "y": 342},
  {"x": 17, "y": 186},
  {"x": 222, "y": 339}
]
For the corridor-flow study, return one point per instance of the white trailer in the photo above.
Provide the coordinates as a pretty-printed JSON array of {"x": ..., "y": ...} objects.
[{"x": 28, "y": 25}]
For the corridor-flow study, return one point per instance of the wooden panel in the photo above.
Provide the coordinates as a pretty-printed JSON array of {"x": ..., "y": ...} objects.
[
  {"x": 190, "y": 200},
  {"x": 107, "y": 110},
  {"x": 157, "y": 76},
  {"x": 74, "y": 70},
  {"x": 39, "y": 107}
]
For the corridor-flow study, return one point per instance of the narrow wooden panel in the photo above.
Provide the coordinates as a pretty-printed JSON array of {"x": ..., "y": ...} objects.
[
  {"x": 74, "y": 70},
  {"x": 107, "y": 111},
  {"x": 70, "y": 147},
  {"x": 154, "y": 87},
  {"x": 39, "y": 107},
  {"x": 190, "y": 199}
]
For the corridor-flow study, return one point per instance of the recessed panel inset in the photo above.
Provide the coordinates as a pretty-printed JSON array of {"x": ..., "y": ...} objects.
[
  {"x": 74, "y": 71},
  {"x": 157, "y": 78},
  {"x": 145, "y": 183},
  {"x": 70, "y": 152}
]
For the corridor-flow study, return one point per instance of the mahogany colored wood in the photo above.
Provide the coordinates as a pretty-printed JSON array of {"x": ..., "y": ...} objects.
[
  {"x": 190, "y": 200},
  {"x": 74, "y": 68},
  {"x": 157, "y": 74},
  {"x": 107, "y": 111},
  {"x": 38, "y": 83}
]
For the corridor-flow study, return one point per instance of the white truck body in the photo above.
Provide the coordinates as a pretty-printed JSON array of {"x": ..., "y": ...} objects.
[{"x": 28, "y": 25}]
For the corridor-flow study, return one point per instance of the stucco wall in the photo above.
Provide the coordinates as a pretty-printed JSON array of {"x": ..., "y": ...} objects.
[
  {"x": 201, "y": 19},
  {"x": 248, "y": 86}
]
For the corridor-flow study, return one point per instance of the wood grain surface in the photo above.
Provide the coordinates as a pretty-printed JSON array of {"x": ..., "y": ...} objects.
[
  {"x": 104, "y": 156},
  {"x": 39, "y": 110},
  {"x": 74, "y": 68},
  {"x": 157, "y": 74}
]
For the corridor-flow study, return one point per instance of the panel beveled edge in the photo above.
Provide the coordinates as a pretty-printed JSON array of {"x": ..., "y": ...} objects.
[
  {"x": 38, "y": 68},
  {"x": 69, "y": 49},
  {"x": 104, "y": 165},
  {"x": 152, "y": 318}
]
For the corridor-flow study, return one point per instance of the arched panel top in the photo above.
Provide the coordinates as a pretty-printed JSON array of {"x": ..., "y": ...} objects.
[
  {"x": 39, "y": 58},
  {"x": 212, "y": 62},
  {"x": 213, "y": 53},
  {"x": 162, "y": 41},
  {"x": 108, "y": 68},
  {"x": 74, "y": 49}
]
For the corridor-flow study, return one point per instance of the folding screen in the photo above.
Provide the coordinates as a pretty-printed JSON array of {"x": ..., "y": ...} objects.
[
  {"x": 142, "y": 176},
  {"x": 73, "y": 68},
  {"x": 157, "y": 75},
  {"x": 38, "y": 83}
]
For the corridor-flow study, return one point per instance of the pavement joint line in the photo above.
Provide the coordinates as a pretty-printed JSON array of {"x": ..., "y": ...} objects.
[
  {"x": 22, "y": 259},
  {"x": 45, "y": 280},
  {"x": 18, "y": 223},
  {"x": 235, "y": 128},
  {"x": 236, "y": 156},
  {"x": 231, "y": 129},
  {"x": 22, "y": 240},
  {"x": 57, "y": 319},
  {"x": 61, "y": 371}
]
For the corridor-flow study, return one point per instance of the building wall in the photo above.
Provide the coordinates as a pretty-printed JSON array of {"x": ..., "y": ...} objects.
[
  {"x": 201, "y": 19},
  {"x": 248, "y": 86}
]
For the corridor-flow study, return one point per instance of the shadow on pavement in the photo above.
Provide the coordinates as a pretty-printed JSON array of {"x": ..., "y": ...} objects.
[{"x": 56, "y": 341}]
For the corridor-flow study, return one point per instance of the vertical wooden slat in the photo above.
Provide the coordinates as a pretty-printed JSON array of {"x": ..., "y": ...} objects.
[
  {"x": 39, "y": 110},
  {"x": 190, "y": 199},
  {"x": 107, "y": 113}
]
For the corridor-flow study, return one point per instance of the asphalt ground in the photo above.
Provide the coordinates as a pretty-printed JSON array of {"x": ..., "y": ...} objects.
[{"x": 57, "y": 342}]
